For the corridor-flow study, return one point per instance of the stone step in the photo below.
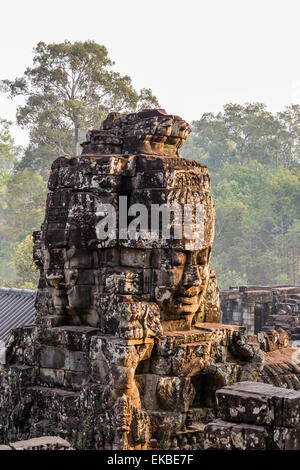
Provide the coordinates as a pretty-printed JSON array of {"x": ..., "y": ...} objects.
[
  {"x": 67, "y": 379},
  {"x": 201, "y": 332},
  {"x": 73, "y": 338},
  {"x": 260, "y": 404},
  {"x": 53, "y": 393}
]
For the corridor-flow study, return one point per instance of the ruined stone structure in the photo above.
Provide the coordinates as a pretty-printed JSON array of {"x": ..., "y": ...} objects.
[
  {"x": 281, "y": 362},
  {"x": 127, "y": 346},
  {"x": 39, "y": 443},
  {"x": 263, "y": 308},
  {"x": 255, "y": 416}
]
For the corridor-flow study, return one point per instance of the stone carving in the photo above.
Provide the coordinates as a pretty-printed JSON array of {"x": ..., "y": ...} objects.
[{"x": 128, "y": 347}]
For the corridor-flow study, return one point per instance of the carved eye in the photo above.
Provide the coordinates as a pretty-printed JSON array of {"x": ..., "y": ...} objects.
[
  {"x": 202, "y": 257},
  {"x": 178, "y": 258}
]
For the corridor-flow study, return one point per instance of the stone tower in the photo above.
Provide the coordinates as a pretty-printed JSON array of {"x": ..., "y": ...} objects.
[{"x": 127, "y": 345}]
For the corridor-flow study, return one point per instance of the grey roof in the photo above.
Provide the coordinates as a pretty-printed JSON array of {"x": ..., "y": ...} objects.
[{"x": 16, "y": 309}]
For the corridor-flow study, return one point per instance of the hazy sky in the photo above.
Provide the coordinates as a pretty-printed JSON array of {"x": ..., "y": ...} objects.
[{"x": 196, "y": 55}]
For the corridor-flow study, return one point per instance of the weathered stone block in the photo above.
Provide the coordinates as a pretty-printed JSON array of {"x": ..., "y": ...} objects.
[
  {"x": 285, "y": 438},
  {"x": 51, "y": 377},
  {"x": 78, "y": 362},
  {"x": 75, "y": 380},
  {"x": 74, "y": 338},
  {"x": 223, "y": 435},
  {"x": 190, "y": 358},
  {"x": 53, "y": 358},
  {"x": 258, "y": 403}
]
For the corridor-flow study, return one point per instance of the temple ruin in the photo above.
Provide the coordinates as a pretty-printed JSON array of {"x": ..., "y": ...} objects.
[
  {"x": 127, "y": 346},
  {"x": 263, "y": 308}
]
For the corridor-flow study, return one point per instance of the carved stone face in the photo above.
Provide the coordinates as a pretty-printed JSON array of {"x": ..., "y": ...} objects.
[
  {"x": 72, "y": 277},
  {"x": 175, "y": 279},
  {"x": 180, "y": 279}
]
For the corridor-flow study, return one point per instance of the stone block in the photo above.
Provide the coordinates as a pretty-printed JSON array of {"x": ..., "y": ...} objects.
[
  {"x": 147, "y": 385},
  {"x": 78, "y": 362},
  {"x": 258, "y": 403},
  {"x": 285, "y": 438},
  {"x": 51, "y": 377},
  {"x": 161, "y": 365},
  {"x": 75, "y": 380},
  {"x": 53, "y": 358},
  {"x": 190, "y": 358},
  {"x": 222, "y": 435},
  {"x": 74, "y": 338}
]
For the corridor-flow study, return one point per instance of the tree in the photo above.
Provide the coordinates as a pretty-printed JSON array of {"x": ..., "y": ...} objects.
[
  {"x": 290, "y": 118},
  {"x": 25, "y": 269},
  {"x": 240, "y": 134},
  {"x": 37, "y": 159},
  {"x": 25, "y": 201},
  {"x": 71, "y": 86},
  {"x": 9, "y": 153}
]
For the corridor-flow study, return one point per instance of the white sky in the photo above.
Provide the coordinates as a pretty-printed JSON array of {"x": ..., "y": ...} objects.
[{"x": 196, "y": 55}]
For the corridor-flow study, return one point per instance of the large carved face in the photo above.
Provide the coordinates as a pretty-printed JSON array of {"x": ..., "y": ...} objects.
[
  {"x": 72, "y": 277},
  {"x": 175, "y": 279},
  {"x": 180, "y": 280}
]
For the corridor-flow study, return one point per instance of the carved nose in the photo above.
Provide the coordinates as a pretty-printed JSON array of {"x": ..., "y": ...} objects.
[{"x": 191, "y": 277}]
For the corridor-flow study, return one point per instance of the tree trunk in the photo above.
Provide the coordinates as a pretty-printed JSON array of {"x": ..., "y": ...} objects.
[
  {"x": 294, "y": 266},
  {"x": 76, "y": 139}
]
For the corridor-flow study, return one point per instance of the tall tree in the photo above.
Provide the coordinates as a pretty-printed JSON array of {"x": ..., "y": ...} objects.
[
  {"x": 9, "y": 152},
  {"x": 241, "y": 133},
  {"x": 71, "y": 87}
]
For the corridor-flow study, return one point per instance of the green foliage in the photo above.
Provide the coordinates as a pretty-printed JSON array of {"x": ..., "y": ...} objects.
[
  {"x": 240, "y": 134},
  {"x": 253, "y": 157},
  {"x": 27, "y": 274},
  {"x": 9, "y": 153},
  {"x": 25, "y": 201},
  {"x": 71, "y": 86},
  {"x": 22, "y": 212},
  {"x": 22, "y": 201}
]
